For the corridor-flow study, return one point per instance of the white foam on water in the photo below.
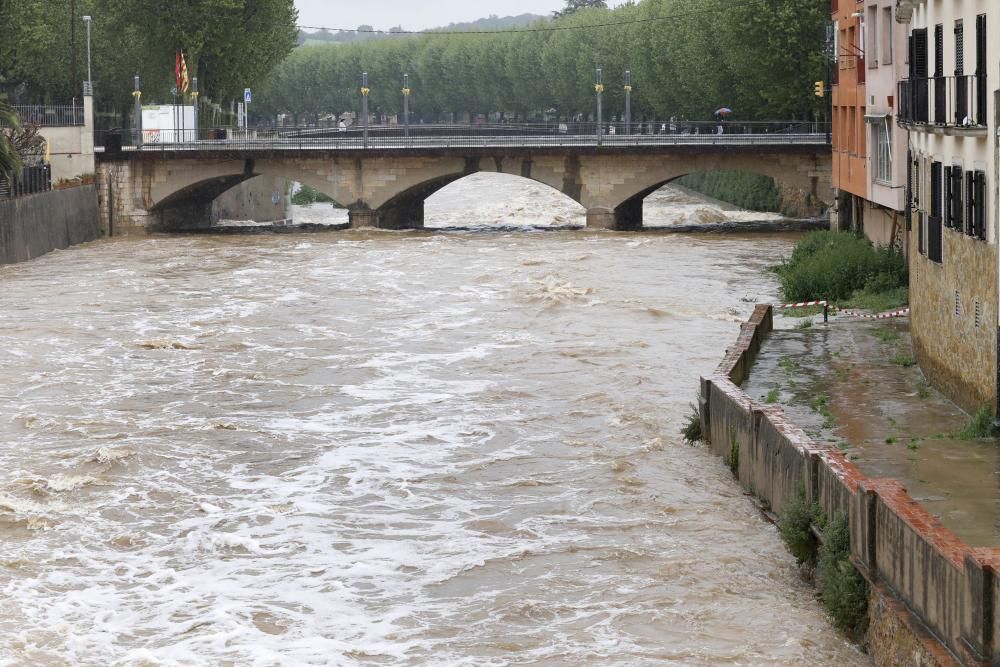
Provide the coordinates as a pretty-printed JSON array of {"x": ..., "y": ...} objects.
[{"x": 414, "y": 461}]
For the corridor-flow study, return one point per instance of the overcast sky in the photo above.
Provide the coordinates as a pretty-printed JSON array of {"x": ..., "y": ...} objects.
[{"x": 384, "y": 14}]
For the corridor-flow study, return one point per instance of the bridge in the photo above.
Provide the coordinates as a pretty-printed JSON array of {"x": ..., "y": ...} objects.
[{"x": 383, "y": 175}]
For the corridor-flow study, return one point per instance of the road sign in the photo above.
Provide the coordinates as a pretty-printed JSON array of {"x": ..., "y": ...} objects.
[{"x": 247, "y": 97}]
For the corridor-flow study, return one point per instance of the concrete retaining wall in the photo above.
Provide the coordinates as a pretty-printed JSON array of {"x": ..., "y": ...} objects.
[
  {"x": 934, "y": 596},
  {"x": 36, "y": 224}
]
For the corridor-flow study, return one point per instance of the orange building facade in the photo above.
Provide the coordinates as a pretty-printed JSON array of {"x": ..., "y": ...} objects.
[{"x": 850, "y": 155}]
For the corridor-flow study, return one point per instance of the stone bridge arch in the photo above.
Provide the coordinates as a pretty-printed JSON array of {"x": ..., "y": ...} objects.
[{"x": 161, "y": 190}]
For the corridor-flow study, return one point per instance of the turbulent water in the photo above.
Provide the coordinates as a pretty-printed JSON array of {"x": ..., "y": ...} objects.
[{"x": 386, "y": 449}]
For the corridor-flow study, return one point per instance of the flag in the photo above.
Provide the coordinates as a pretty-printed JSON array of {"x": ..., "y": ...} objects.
[{"x": 181, "y": 73}]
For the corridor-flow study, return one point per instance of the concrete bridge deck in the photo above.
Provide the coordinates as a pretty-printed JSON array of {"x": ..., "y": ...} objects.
[{"x": 383, "y": 179}]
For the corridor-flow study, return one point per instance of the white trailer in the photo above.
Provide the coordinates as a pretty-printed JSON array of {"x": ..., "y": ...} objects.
[{"x": 168, "y": 124}]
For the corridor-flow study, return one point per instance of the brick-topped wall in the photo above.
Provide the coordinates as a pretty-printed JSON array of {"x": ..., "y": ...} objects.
[{"x": 938, "y": 589}]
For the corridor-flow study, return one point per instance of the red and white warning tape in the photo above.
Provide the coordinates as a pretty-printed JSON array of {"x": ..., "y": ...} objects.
[
  {"x": 802, "y": 304},
  {"x": 902, "y": 312}
]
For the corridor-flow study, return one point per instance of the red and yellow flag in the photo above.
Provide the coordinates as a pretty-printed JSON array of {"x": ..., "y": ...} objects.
[{"x": 181, "y": 73}]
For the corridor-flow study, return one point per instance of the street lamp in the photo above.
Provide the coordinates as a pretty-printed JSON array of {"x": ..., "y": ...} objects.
[
  {"x": 628, "y": 101},
  {"x": 364, "y": 106},
  {"x": 406, "y": 104},
  {"x": 599, "y": 88},
  {"x": 89, "y": 88}
]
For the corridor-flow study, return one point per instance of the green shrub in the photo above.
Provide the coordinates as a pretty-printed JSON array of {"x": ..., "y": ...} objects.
[
  {"x": 692, "y": 425},
  {"x": 754, "y": 192},
  {"x": 307, "y": 196},
  {"x": 835, "y": 265},
  {"x": 980, "y": 425},
  {"x": 796, "y": 523},
  {"x": 843, "y": 590}
]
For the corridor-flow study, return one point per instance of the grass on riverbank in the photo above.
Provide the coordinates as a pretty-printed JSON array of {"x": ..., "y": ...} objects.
[
  {"x": 307, "y": 196},
  {"x": 846, "y": 270}
]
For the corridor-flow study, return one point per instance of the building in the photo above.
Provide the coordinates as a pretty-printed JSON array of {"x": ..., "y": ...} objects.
[
  {"x": 947, "y": 107},
  {"x": 850, "y": 170},
  {"x": 869, "y": 170}
]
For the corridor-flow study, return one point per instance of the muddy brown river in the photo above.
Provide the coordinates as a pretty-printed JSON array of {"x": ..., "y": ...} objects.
[{"x": 350, "y": 448}]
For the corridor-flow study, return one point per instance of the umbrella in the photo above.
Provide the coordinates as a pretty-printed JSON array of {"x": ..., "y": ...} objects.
[{"x": 724, "y": 111}]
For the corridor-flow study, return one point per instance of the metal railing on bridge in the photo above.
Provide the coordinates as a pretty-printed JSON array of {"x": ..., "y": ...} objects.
[{"x": 387, "y": 137}]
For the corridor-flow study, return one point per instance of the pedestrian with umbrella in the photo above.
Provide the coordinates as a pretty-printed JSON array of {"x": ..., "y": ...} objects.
[{"x": 721, "y": 114}]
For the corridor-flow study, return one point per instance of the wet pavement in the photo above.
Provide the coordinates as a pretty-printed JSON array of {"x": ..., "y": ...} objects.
[{"x": 853, "y": 383}]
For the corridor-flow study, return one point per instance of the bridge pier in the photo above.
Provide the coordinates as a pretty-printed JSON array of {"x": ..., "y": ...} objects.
[
  {"x": 621, "y": 219},
  {"x": 403, "y": 216}
]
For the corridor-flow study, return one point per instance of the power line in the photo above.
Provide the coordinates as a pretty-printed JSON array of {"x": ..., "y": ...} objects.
[{"x": 651, "y": 19}]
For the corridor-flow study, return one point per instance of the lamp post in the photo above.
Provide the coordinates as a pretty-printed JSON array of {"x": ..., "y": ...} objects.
[
  {"x": 89, "y": 88},
  {"x": 406, "y": 105},
  {"x": 628, "y": 101},
  {"x": 137, "y": 95},
  {"x": 599, "y": 88},
  {"x": 364, "y": 107}
]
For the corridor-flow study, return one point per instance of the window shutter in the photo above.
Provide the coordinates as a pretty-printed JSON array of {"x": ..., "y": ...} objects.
[
  {"x": 956, "y": 193},
  {"x": 909, "y": 191},
  {"x": 949, "y": 198},
  {"x": 939, "y": 50},
  {"x": 959, "y": 47},
  {"x": 935, "y": 189},
  {"x": 981, "y": 205},
  {"x": 970, "y": 204}
]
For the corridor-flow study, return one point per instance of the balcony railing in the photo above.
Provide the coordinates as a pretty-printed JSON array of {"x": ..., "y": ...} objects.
[{"x": 949, "y": 101}]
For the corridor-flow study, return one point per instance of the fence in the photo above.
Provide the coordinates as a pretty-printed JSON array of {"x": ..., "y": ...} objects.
[
  {"x": 33, "y": 179},
  {"x": 646, "y": 133},
  {"x": 50, "y": 116}
]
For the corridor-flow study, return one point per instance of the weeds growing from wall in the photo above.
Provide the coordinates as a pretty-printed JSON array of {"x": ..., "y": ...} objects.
[
  {"x": 692, "y": 425},
  {"x": 796, "y": 524},
  {"x": 734, "y": 456},
  {"x": 843, "y": 590}
]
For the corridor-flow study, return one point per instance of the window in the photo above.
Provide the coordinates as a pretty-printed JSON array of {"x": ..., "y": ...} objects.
[
  {"x": 886, "y": 36},
  {"x": 883, "y": 150},
  {"x": 871, "y": 39}
]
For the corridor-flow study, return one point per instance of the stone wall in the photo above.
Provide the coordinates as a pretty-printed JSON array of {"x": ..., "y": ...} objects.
[
  {"x": 33, "y": 225},
  {"x": 955, "y": 349},
  {"x": 261, "y": 199},
  {"x": 933, "y": 597}
]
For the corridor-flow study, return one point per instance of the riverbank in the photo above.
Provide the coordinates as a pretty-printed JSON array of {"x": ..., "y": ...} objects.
[
  {"x": 853, "y": 384},
  {"x": 932, "y": 597},
  {"x": 33, "y": 225}
]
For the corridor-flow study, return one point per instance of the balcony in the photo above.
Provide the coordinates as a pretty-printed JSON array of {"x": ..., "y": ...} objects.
[{"x": 955, "y": 102}]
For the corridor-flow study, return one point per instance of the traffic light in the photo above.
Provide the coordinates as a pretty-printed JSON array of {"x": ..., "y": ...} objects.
[{"x": 818, "y": 89}]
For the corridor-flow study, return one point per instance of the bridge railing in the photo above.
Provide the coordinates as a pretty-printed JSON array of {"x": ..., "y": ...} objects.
[{"x": 378, "y": 137}]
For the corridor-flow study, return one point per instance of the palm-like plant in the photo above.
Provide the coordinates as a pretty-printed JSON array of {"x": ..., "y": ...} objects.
[{"x": 10, "y": 161}]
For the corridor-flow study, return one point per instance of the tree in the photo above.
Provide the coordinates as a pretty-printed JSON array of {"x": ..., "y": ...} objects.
[
  {"x": 573, "y": 6},
  {"x": 10, "y": 161}
]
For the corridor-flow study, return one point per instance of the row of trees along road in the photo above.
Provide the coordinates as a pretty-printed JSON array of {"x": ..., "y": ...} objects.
[
  {"x": 688, "y": 58},
  {"x": 228, "y": 44}
]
